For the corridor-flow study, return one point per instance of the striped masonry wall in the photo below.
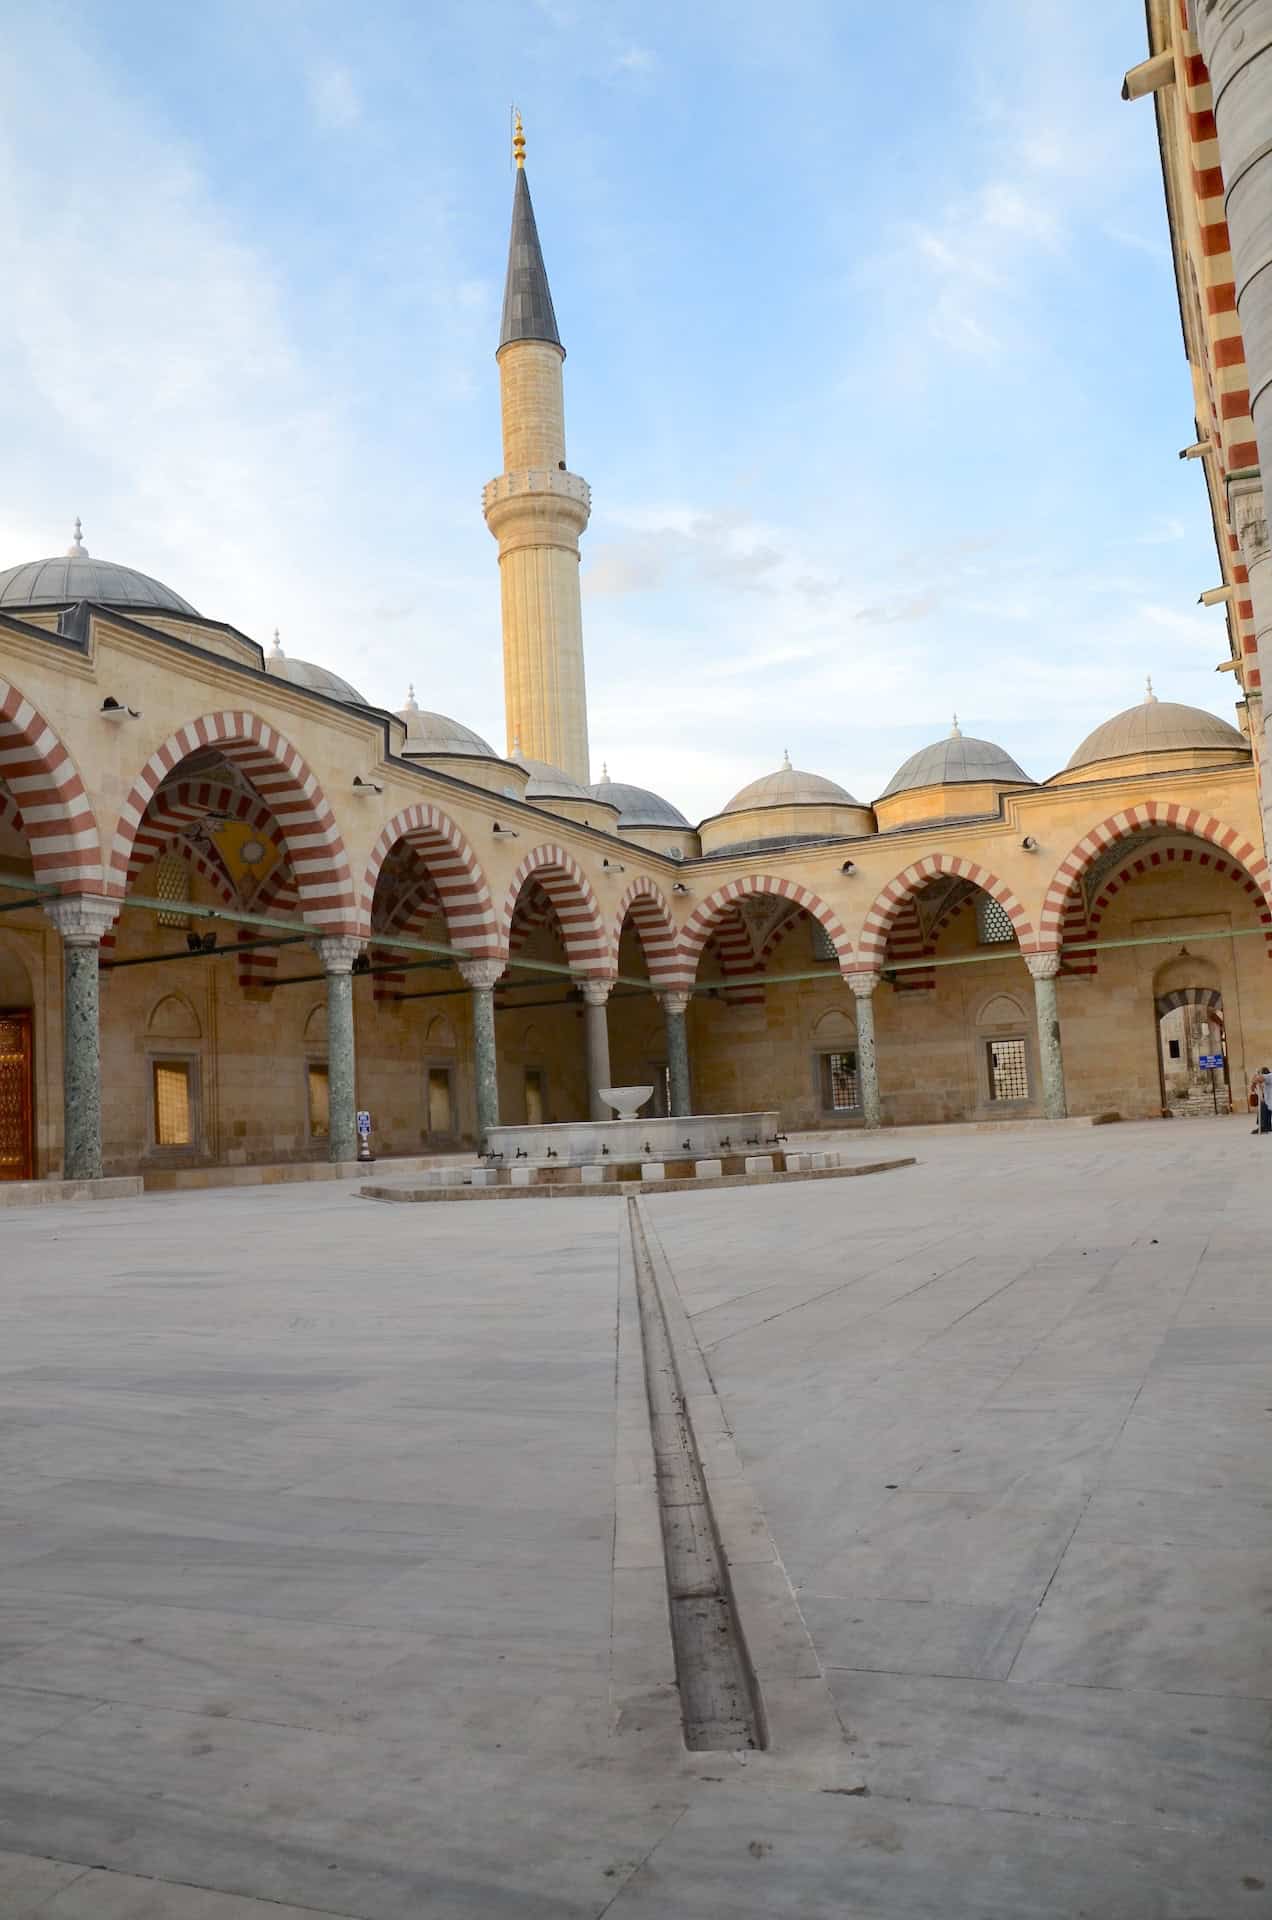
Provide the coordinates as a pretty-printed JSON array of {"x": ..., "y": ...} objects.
[
  {"x": 48, "y": 794},
  {"x": 583, "y": 931}
]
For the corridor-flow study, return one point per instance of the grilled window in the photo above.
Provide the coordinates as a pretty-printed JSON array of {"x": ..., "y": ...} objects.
[
  {"x": 172, "y": 882},
  {"x": 319, "y": 1103},
  {"x": 993, "y": 922},
  {"x": 1008, "y": 1069},
  {"x": 173, "y": 1090},
  {"x": 841, "y": 1087},
  {"x": 823, "y": 945}
]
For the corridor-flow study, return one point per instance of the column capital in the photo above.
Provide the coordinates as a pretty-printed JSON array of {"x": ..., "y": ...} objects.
[
  {"x": 1043, "y": 966},
  {"x": 675, "y": 1002},
  {"x": 596, "y": 992},
  {"x": 338, "y": 951},
  {"x": 83, "y": 921},
  {"x": 863, "y": 984},
  {"x": 482, "y": 975}
]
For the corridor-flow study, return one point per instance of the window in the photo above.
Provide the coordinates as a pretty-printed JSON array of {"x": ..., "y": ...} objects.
[
  {"x": 319, "y": 1103},
  {"x": 439, "y": 1101},
  {"x": 1174, "y": 1049},
  {"x": 993, "y": 922},
  {"x": 841, "y": 1089},
  {"x": 173, "y": 1089},
  {"x": 823, "y": 946},
  {"x": 172, "y": 882},
  {"x": 1008, "y": 1069}
]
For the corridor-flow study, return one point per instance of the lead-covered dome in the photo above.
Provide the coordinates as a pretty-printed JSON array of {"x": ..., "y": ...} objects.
[
  {"x": 434, "y": 733},
  {"x": 790, "y": 787},
  {"x": 958, "y": 760},
  {"x": 76, "y": 575},
  {"x": 637, "y": 806},
  {"x": 305, "y": 673},
  {"x": 1157, "y": 726}
]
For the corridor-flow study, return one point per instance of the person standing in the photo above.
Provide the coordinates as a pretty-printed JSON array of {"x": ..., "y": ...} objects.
[{"x": 1265, "y": 1100}]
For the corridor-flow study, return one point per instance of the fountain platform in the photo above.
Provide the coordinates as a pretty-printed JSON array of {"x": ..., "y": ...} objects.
[{"x": 580, "y": 1143}]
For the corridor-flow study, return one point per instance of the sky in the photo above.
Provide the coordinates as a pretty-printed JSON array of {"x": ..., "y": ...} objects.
[{"x": 874, "y": 361}]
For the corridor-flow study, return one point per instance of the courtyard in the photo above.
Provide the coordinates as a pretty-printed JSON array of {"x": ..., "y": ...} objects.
[{"x": 319, "y": 1595}]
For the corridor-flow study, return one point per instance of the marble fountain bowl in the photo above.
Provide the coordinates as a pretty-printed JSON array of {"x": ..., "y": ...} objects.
[{"x": 626, "y": 1101}]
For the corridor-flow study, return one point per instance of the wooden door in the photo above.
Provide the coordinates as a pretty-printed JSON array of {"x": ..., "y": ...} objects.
[{"x": 17, "y": 1130}]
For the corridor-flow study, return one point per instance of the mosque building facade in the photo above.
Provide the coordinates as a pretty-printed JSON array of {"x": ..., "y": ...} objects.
[{"x": 238, "y": 904}]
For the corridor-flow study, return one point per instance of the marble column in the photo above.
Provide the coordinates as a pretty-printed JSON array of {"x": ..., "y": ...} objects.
[
  {"x": 596, "y": 993},
  {"x": 481, "y": 976},
  {"x": 1044, "y": 967},
  {"x": 337, "y": 952},
  {"x": 81, "y": 922},
  {"x": 863, "y": 986},
  {"x": 675, "y": 1006}
]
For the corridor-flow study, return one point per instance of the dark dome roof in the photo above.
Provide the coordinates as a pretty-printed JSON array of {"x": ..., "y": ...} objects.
[
  {"x": 637, "y": 806},
  {"x": 75, "y": 575},
  {"x": 955, "y": 761}
]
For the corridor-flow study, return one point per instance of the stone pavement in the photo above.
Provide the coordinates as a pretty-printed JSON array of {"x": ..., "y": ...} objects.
[{"x": 307, "y": 1530}]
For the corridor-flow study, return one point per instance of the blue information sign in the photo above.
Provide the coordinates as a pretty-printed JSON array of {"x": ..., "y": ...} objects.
[{"x": 1209, "y": 1059}]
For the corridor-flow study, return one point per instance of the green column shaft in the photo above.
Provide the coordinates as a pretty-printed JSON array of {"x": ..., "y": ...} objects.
[
  {"x": 674, "y": 1006},
  {"x": 81, "y": 1062},
  {"x": 1050, "y": 1058}
]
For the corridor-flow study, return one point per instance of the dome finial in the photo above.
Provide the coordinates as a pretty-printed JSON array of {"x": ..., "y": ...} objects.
[
  {"x": 605, "y": 770},
  {"x": 77, "y": 550},
  {"x": 276, "y": 651},
  {"x": 518, "y": 138},
  {"x": 411, "y": 706},
  {"x": 956, "y": 732},
  {"x": 786, "y": 761},
  {"x": 1150, "y": 698}
]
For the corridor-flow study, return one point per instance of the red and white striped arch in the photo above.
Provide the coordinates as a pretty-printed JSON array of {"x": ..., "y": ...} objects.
[
  {"x": 1157, "y": 860},
  {"x": 645, "y": 904},
  {"x": 888, "y": 903},
  {"x": 461, "y": 885},
  {"x": 704, "y": 919},
  {"x": 180, "y": 804},
  {"x": 1162, "y": 813},
  {"x": 47, "y": 792},
  {"x": 289, "y": 790},
  {"x": 583, "y": 931}
]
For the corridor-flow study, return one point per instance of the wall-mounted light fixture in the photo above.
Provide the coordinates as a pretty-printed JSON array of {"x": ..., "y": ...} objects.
[
  {"x": 613, "y": 866},
  {"x": 678, "y": 886},
  {"x": 1195, "y": 451},
  {"x": 1213, "y": 596},
  {"x": 365, "y": 786},
  {"x": 504, "y": 833},
  {"x": 849, "y": 866},
  {"x": 1029, "y": 844},
  {"x": 118, "y": 710}
]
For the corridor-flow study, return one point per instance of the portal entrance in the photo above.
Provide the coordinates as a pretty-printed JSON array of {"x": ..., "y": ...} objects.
[
  {"x": 17, "y": 1108},
  {"x": 1190, "y": 1031}
]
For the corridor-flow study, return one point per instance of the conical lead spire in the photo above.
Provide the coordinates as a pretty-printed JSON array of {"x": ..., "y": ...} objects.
[{"x": 527, "y": 306}]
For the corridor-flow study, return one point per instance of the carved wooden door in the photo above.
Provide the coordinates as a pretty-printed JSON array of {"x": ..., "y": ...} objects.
[{"x": 16, "y": 1130}]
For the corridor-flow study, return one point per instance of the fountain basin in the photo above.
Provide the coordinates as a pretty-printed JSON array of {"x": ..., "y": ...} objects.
[{"x": 576, "y": 1143}]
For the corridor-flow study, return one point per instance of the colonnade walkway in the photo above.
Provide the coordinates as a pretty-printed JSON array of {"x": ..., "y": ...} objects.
[{"x": 309, "y": 1568}]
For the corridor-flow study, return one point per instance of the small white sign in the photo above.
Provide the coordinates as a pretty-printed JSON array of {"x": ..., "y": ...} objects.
[{"x": 364, "y": 1124}]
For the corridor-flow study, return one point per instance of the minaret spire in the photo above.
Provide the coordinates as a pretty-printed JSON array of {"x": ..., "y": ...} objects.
[{"x": 536, "y": 510}]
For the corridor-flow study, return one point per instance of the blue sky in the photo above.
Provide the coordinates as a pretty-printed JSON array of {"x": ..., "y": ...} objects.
[{"x": 874, "y": 360}]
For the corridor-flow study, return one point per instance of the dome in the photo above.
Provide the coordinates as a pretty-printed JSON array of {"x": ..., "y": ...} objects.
[
  {"x": 788, "y": 787},
  {"x": 547, "y": 782},
  {"x": 637, "y": 806},
  {"x": 437, "y": 733},
  {"x": 1157, "y": 726},
  {"x": 957, "y": 760},
  {"x": 303, "y": 673},
  {"x": 75, "y": 575}
]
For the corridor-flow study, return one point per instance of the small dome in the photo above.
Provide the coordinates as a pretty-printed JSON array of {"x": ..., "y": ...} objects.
[
  {"x": 547, "y": 782},
  {"x": 954, "y": 761},
  {"x": 437, "y": 733},
  {"x": 303, "y": 673},
  {"x": 637, "y": 806},
  {"x": 788, "y": 787},
  {"x": 75, "y": 575},
  {"x": 1157, "y": 726}
]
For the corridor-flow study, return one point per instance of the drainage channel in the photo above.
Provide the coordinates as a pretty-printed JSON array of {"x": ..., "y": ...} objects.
[{"x": 718, "y": 1708}]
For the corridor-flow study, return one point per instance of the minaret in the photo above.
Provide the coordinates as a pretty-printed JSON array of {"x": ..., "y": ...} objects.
[{"x": 536, "y": 510}]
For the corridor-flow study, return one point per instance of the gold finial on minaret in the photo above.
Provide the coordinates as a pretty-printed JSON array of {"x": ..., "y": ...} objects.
[{"x": 518, "y": 138}]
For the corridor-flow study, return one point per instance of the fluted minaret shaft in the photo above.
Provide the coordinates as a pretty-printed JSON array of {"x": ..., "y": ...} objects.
[{"x": 536, "y": 510}]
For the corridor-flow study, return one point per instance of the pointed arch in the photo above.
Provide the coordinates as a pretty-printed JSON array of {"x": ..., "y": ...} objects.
[
  {"x": 1118, "y": 826},
  {"x": 48, "y": 797},
  {"x": 911, "y": 880},
  {"x": 461, "y": 885},
  {"x": 699, "y": 926},
  {"x": 587, "y": 943},
  {"x": 645, "y": 904},
  {"x": 179, "y": 804},
  {"x": 294, "y": 797}
]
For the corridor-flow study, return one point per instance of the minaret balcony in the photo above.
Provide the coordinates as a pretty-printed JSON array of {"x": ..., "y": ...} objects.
[{"x": 537, "y": 494}]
